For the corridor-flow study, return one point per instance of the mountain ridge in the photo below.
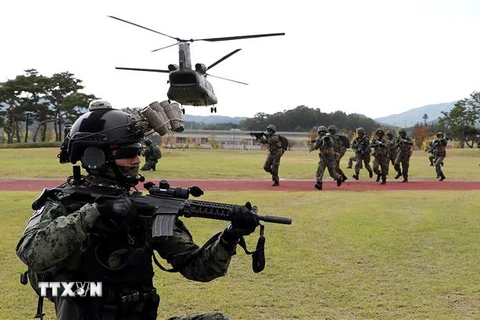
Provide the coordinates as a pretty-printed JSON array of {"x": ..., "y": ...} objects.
[{"x": 404, "y": 119}]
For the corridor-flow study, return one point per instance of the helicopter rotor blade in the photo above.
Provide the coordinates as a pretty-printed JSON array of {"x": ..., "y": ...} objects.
[
  {"x": 226, "y": 79},
  {"x": 137, "y": 25},
  {"x": 141, "y": 69},
  {"x": 240, "y": 37},
  {"x": 155, "y": 50},
  {"x": 225, "y": 57}
]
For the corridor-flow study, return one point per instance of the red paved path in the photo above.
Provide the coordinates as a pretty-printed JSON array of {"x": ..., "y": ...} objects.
[{"x": 285, "y": 185}]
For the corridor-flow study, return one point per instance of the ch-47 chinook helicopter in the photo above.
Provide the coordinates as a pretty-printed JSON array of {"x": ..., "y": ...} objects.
[{"x": 189, "y": 86}]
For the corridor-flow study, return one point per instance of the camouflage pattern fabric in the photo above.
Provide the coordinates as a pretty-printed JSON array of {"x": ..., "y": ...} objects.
[
  {"x": 57, "y": 241},
  {"x": 402, "y": 161},
  {"x": 361, "y": 146},
  {"x": 440, "y": 150},
  {"x": 392, "y": 149},
  {"x": 275, "y": 152},
  {"x": 325, "y": 144},
  {"x": 152, "y": 154},
  {"x": 351, "y": 160},
  {"x": 380, "y": 158}
]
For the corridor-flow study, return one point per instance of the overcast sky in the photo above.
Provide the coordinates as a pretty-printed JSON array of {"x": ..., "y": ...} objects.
[{"x": 375, "y": 57}]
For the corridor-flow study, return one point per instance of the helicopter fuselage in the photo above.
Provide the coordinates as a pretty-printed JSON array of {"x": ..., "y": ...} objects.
[{"x": 189, "y": 87}]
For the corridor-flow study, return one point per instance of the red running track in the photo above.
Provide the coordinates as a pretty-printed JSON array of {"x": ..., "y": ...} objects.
[{"x": 285, "y": 185}]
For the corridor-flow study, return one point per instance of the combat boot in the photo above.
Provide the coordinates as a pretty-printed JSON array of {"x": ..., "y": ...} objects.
[
  {"x": 370, "y": 174},
  {"x": 383, "y": 181},
  {"x": 378, "y": 177},
  {"x": 405, "y": 180},
  {"x": 339, "y": 181},
  {"x": 318, "y": 185},
  {"x": 275, "y": 183},
  {"x": 355, "y": 176},
  {"x": 399, "y": 174},
  {"x": 442, "y": 177}
]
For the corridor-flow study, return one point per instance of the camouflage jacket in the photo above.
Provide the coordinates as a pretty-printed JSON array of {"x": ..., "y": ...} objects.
[
  {"x": 361, "y": 145},
  {"x": 439, "y": 146},
  {"x": 404, "y": 144},
  {"x": 274, "y": 144},
  {"x": 152, "y": 153},
  {"x": 379, "y": 146},
  {"x": 325, "y": 145},
  {"x": 56, "y": 240}
]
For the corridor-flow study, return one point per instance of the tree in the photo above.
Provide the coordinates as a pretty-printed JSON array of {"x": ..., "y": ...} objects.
[
  {"x": 36, "y": 99},
  {"x": 462, "y": 118}
]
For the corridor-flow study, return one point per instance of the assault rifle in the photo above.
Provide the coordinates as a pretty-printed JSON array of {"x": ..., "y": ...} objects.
[
  {"x": 377, "y": 144},
  {"x": 163, "y": 203},
  {"x": 258, "y": 135}
]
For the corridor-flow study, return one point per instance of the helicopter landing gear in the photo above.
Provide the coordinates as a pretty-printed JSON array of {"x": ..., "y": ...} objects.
[{"x": 213, "y": 109}]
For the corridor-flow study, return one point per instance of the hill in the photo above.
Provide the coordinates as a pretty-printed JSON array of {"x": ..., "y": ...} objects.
[{"x": 411, "y": 117}]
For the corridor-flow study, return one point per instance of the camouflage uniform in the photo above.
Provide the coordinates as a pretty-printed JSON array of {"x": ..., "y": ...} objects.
[
  {"x": 340, "y": 147},
  {"x": 361, "y": 145},
  {"x": 431, "y": 150},
  {"x": 380, "y": 154},
  {"x": 73, "y": 237},
  {"x": 56, "y": 243},
  {"x": 351, "y": 160},
  {"x": 404, "y": 146},
  {"x": 275, "y": 152},
  {"x": 152, "y": 154},
  {"x": 325, "y": 143},
  {"x": 392, "y": 149},
  {"x": 440, "y": 145}
]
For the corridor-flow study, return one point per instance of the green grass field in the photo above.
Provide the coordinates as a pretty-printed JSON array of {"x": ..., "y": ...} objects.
[{"x": 347, "y": 255}]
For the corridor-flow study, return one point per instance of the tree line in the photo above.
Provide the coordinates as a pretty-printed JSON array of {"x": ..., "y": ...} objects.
[
  {"x": 36, "y": 99},
  {"x": 33, "y": 99}
]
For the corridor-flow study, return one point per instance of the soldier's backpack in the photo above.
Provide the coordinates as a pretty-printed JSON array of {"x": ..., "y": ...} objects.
[
  {"x": 156, "y": 153},
  {"x": 284, "y": 142}
]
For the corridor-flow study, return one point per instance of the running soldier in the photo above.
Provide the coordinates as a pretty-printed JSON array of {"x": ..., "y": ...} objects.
[
  {"x": 392, "y": 149},
  {"x": 325, "y": 144},
  {"x": 404, "y": 145},
  {"x": 275, "y": 152},
  {"x": 340, "y": 147},
  {"x": 380, "y": 155},
  {"x": 440, "y": 146},
  {"x": 361, "y": 146}
]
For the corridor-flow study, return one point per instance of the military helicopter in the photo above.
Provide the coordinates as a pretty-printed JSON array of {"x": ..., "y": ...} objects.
[{"x": 189, "y": 86}]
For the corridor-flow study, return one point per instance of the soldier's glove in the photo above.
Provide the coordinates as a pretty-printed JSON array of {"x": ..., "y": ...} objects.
[
  {"x": 114, "y": 208},
  {"x": 244, "y": 221}
]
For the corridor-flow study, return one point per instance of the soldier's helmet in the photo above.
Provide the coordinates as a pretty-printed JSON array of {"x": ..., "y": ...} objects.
[
  {"x": 440, "y": 134},
  {"x": 272, "y": 128},
  {"x": 360, "y": 131},
  {"x": 332, "y": 129},
  {"x": 96, "y": 134},
  {"x": 322, "y": 129},
  {"x": 379, "y": 132},
  {"x": 389, "y": 134},
  {"x": 402, "y": 130}
]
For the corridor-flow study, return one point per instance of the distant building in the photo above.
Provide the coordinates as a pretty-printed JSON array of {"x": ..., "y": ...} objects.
[{"x": 228, "y": 139}]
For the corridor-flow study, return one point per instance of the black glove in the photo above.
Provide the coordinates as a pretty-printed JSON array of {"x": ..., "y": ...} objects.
[
  {"x": 244, "y": 221},
  {"x": 114, "y": 208}
]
